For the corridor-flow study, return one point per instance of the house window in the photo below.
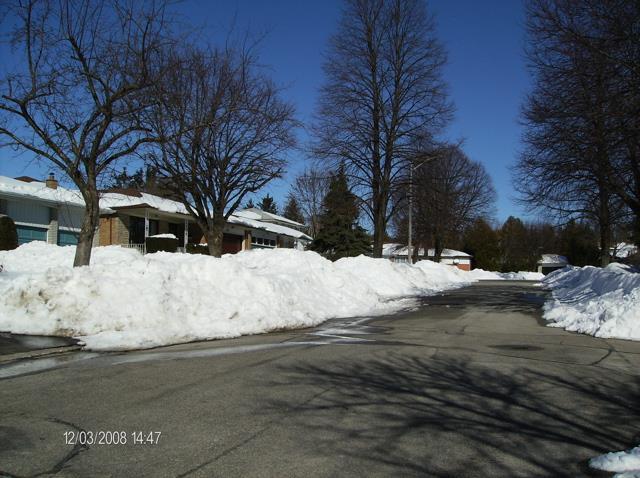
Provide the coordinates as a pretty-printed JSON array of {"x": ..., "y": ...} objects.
[
  {"x": 262, "y": 243},
  {"x": 28, "y": 234},
  {"x": 67, "y": 238}
]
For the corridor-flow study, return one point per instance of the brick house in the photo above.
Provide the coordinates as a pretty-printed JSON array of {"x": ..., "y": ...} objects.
[{"x": 45, "y": 211}]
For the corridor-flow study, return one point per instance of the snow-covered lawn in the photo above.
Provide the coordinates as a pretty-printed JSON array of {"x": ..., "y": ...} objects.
[
  {"x": 604, "y": 302},
  {"x": 125, "y": 300},
  {"x": 626, "y": 464}
]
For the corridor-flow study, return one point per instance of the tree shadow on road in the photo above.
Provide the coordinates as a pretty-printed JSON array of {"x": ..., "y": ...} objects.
[{"x": 449, "y": 417}]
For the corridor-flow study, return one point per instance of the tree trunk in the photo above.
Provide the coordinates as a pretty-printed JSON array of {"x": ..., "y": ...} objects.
[
  {"x": 214, "y": 234},
  {"x": 437, "y": 248},
  {"x": 89, "y": 225},
  {"x": 604, "y": 220}
]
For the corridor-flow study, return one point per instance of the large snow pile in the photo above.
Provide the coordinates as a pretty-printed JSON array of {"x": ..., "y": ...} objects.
[
  {"x": 480, "y": 274},
  {"x": 125, "y": 300},
  {"x": 596, "y": 301},
  {"x": 626, "y": 464}
]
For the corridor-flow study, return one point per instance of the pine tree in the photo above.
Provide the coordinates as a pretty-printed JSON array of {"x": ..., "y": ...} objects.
[
  {"x": 292, "y": 210},
  {"x": 249, "y": 204},
  {"x": 340, "y": 235},
  {"x": 268, "y": 205}
]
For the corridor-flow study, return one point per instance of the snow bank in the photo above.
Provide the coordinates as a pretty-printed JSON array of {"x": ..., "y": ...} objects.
[
  {"x": 480, "y": 274},
  {"x": 626, "y": 464},
  {"x": 125, "y": 300},
  {"x": 591, "y": 300}
]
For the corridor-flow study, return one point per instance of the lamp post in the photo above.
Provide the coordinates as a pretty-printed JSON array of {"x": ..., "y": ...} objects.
[
  {"x": 409, "y": 254},
  {"x": 412, "y": 167}
]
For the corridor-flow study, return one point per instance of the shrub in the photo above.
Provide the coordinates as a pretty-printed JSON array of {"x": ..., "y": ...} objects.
[
  {"x": 156, "y": 244},
  {"x": 8, "y": 234},
  {"x": 197, "y": 249}
]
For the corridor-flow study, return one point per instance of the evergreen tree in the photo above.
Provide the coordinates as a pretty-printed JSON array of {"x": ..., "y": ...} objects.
[
  {"x": 340, "y": 235},
  {"x": 482, "y": 242},
  {"x": 292, "y": 210},
  {"x": 578, "y": 243},
  {"x": 268, "y": 205},
  {"x": 514, "y": 244},
  {"x": 249, "y": 204},
  {"x": 124, "y": 180}
]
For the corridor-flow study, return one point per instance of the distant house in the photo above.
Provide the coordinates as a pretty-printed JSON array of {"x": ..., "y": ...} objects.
[
  {"x": 398, "y": 253},
  {"x": 551, "y": 262},
  {"x": 42, "y": 210},
  {"x": 623, "y": 251},
  {"x": 46, "y": 212}
]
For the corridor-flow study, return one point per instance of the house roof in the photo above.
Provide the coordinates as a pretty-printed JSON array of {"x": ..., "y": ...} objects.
[
  {"x": 28, "y": 187},
  {"x": 259, "y": 214},
  {"x": 242, "y": 219},
  {"x": 395, "y": 250},
  {"x": 553, "y": 259},
  {"x": 623, "y": 250},
  {"x": 118, "y": 199}
]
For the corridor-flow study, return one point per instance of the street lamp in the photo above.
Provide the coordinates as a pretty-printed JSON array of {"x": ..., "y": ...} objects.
[{"x": 412, "y": 167}]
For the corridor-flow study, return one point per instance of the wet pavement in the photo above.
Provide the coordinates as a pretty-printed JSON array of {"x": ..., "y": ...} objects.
[{"x": 16, "y": 343}]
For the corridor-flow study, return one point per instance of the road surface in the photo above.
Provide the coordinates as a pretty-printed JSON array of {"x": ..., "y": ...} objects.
[{"x": 468, "y": 384}]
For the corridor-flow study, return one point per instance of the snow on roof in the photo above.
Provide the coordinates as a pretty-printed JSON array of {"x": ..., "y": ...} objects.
[
  {"x": 267, "y": 226},
  {"x": 394, "y": 249},
  {"x": 623, "y": 250},
  {"x": 38, "y": 190},
  {"x": 553, "y": 259},
  {"x": 259, "y": 214},
  {"x": 115, "y": 200}
]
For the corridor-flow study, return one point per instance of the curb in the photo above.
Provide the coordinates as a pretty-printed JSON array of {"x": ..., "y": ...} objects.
[{"x": 38, "y": 353}]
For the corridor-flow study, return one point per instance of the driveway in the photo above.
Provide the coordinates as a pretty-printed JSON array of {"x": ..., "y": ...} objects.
[{"x": 470, "y": 383}]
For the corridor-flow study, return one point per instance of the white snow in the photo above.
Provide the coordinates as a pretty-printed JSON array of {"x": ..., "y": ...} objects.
[
  {"x": 553, "y": 259},
  {"x": 626, "y": 464},
  {"x": 114, "y": 200},
  {"x": 125, "y": 300},
  {"x": 165, "y": 236},
  {"x": 39, "y": 190},
  {"x": 604, "y": 302},
  {"x": 480, "y": 274}
]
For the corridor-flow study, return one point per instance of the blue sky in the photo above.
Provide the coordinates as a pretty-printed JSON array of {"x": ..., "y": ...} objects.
[{"x": 485, "y": 72}]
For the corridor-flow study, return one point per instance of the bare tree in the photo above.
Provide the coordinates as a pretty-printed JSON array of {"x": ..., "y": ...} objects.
[
  {"x": 582, "y": 116},
  {"x": 383, "y": 90},
  {"x": 310, "y": 189},
  {"x": 224, "y": 131},
  {"x": 84, "y": 76},
  {"x": 450, "y": 192}
]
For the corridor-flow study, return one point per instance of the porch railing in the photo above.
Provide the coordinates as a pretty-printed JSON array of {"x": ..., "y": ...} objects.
[{"x": 142, "y": 248}]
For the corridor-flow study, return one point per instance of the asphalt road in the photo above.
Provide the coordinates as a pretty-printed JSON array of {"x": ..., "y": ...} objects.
[{"x": 469, "y": 384}]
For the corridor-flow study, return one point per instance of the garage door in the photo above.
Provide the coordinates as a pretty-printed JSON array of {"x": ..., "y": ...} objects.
[
  {"x": 29, "y": 233},
  {"x": 67, "y": 238}
]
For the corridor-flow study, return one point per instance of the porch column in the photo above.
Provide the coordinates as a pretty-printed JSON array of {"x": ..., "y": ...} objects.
[
  {"x": 186, "y": 232},
  {"x": 146, "y": 224}
]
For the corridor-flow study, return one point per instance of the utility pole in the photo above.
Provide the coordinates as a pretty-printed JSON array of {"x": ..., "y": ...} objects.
[{"x": 409, "y": 241}]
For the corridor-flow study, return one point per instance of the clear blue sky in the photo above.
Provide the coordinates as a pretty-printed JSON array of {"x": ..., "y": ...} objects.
[{"x": 485, "y": 72}]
